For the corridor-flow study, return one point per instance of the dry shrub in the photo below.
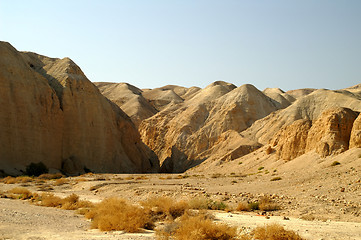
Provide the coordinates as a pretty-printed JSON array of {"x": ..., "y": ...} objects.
[
  {"x": 276, "y": 179},
  {"x": 198, "y": 203},
  {"x": 50, "y": 200},
  {"x": 71, "y": 202},
  {"x": 117, "y": 214},
  {"x": 164, "y": 207},
  {"x": 199, "y": 227},
  {"x": 8, "y": 180},
  {"x": 206, "y": 203},
  {"x": 50, "y": 176},
  {"x": 23, "y": 179},
  {"x": 243, "y": 206},
  {"x": 141, "y": 178},
  {"x": 61, "y": 181},
  {"x": 129, "y": 178},
  {"x": 274, "y": 232},
  {"x": 81, "y": 180},
  {"x": 20, "y": 193},
  {"x": 45, "y": 188},
  {"x": 267, "y": 204},
  {"x": 13, "y": 180}
]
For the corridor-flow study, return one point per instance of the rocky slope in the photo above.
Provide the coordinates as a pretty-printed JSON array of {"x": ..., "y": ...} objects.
[
  {"x": 129, "y": 99},
  {"x": 52, "y": 113},
  {"x": 184, "y": 135}
]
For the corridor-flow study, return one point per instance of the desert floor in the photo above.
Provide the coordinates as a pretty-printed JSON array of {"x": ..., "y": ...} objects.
[{"x": 327, "y": 213}]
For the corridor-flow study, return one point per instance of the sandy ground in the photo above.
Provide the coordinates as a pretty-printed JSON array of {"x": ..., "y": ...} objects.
[{"x": 312, "y": 217}]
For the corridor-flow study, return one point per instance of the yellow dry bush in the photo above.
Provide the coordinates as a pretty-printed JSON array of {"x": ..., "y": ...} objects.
[
  {"x": 243, "y": 206},
  {"x": 61, "y": 181},
  {"x": 50, "y": 176},
  {"x": 117, "y": 214},
  {"x": 199, "y": 227},
  {"x": 198, "y": 203},
  {"x": 50, "y": 200},
  {"x": 20, "y": 193},
  {"x": 274, "y": 232},
  {"x": 164, "y": 207},
  {"x": 267, "y": 204},
  {"x": 13, "y": 180}
]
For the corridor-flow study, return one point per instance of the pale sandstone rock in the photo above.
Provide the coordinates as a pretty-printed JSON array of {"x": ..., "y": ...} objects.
[
  {"x": 328, "y": 135},
  {"x": 355, "y": 139},
  {"x": 291, "y": 140},
  {"x": 129, "y": 99},
  {"x": 51, "y": 112},
  {"x": 309, "y": 107},
  {"x": 181, "y": 135}
]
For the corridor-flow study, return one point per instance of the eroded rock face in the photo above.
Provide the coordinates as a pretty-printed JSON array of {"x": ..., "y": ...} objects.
[
  {"x": 291, "y": 140},
  {"x": 355, "y": 139},
  {"x": 330, "y": 134},
  {"x": 182, "y": 135},
  {"x": 129, "y": 99},
  {"x": 53, "y": 113},
  {"x": 327, "y": 135}
]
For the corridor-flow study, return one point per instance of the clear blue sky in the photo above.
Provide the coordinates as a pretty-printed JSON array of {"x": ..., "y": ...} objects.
[{"x": 151, "y": 43}]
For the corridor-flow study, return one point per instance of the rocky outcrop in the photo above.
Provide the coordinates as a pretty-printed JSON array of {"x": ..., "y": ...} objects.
[
  {"x": 182, "y": 135},
  {"x": 291, "y": 141},
  {"x": 330, "y": 134},
  {"x": 309, "y": 107},
  {"x": 355, "y": 139},
  {"x": 52, "y": 113},
  {"x": 327, "y": 135}
]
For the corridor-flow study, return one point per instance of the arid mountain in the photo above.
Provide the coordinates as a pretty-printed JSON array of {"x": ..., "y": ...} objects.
[
  {"x": 221, "y": 122},
  {"x": 184, "y": 135},
  {"x": 52, "y": 113},
  {"x": 129, "y": 99}
]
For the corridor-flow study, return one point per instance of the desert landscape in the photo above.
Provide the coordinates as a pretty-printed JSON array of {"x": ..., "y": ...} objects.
[{"x": 234, "y": 157}]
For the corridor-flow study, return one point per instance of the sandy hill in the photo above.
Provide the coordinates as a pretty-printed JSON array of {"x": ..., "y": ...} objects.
[
  {"x": 182, "y": 135},
  {"x": 52, "y": 113},
  {"x": 223, "y": 122},
  {"x": 129, "y": 99}
]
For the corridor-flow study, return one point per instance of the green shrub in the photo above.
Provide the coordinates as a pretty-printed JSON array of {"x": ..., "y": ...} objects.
[
  {"x": 36, "y": 169},
  {"x": 253, "y": 205}
]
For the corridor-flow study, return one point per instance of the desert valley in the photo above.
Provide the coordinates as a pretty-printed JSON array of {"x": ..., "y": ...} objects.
[{"x": 224, "y": 149}]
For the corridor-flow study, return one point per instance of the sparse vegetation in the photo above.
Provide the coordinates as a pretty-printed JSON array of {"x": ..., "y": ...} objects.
[
  {"x": 50, "y": 176},
  {"x": 274, "y": 232},
  {"x": 276, "y": 179},
  {"x": 216, "y": 175},
  {"x": 335, "y": 163},
  {"x": 117, "y": 214},
  {"x": 243, "y": 207},
  {"x": 61, "y": 181},
  {"x": 253, "y": 206},
  {"x": 13, "y": 180},
  {"x": 19, "y": 193},
  {"x": 267, "y": 204},
  {"x": 260, "y": 168},
  {"x": 198, "y": 227},
  {"x": 164, "y": 208}
]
